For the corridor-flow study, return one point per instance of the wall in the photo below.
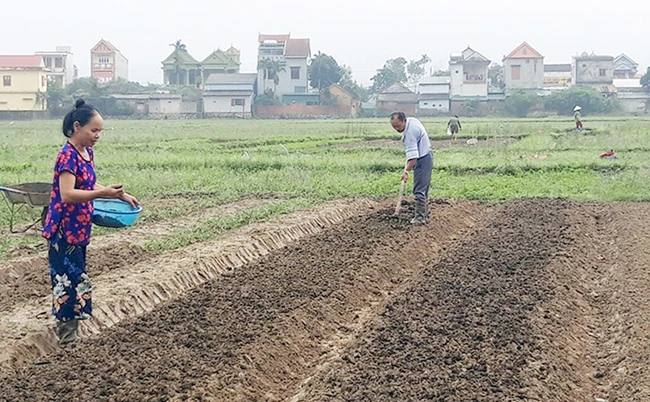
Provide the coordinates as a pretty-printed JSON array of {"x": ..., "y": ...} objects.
[
  {"x": 223, "y": 104},
  {"x": 21, "y": 95},
  {"x": 386, "y": 108},
  {"x": 460, "y": 86},
  {"x": 286, "y": 85},
  {"x": 298, "y": 111},
  {"x": 531, "y": 73},
  {"x": 457, "y": 78},
  {"x": 121, "y": 66},
  {"x": 164, "y": 106},
  {"x": 433, "y": 105},
  {"x": 588, "y": 71}
]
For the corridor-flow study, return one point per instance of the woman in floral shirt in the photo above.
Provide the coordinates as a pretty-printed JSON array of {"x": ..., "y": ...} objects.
[{"x": 69, "y": 218}]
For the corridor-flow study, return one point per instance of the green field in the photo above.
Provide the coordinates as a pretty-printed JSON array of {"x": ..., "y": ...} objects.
[{"x": 305, "y": 162}]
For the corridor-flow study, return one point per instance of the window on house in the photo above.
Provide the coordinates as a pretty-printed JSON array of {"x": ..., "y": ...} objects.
[
  {"x": 516, "y": 72},
  {"x": 603, "y": 72},
  {"x": 270, "y": 74},
  {"x": 48, "y": 62},
  {"x": 237, "y": 102},
  {"x": 104, "y": 60},
  {"x": 43, "y": 81},
  {"x": 58, "y": 62},
  {"x": 295, "y": 73},
  {"x": 6, "y": 80}
]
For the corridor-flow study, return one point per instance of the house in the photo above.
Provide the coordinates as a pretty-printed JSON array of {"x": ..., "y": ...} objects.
[
  {"x": 397, "y": 98},
  {"x": 593, "y": 70},
  {"x": 433, "y": 95},
  {"x": 229, "y": 95},
  {"x": 469, "y": 74},
  {"x": 343, "y": 97},
  {"x": 523, "y": 69},
  {"x": 557, "y": 76},
  {"x": 151, "y": 104},
  {"x": 180, "y": 68},
  {"x": 60, "y": 63},
  {"x": 23, "y": 83},
  {"x": 625, "y": 67},
  {"x": 282, "y": 64},
  {"x": 107, "y": 63}
]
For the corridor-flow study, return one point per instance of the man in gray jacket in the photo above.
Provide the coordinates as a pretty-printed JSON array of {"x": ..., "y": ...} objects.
[{"x": 419, "y": 158}]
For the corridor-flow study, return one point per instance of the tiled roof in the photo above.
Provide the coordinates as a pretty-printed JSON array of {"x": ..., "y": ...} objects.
[
  {"x": 297, "y": 48},
  {"x": 278, "y": 38},
  {"x": 524, "y": 51},
  {"x": 21, "y": 61}
]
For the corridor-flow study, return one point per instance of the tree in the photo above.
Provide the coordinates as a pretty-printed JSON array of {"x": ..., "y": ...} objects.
[
  {"x": 416, "y": 70},
  {"x": 645, "y": 80},
  {"x": 496, "y": 75},
  {"x": 267, "y": 98},
  {"x": 394, "y": 71},
  {"x": 178, "y": 46},
  {"x": 271, "y": 71},
  {"x": 350, "y": 85},
  {"x": 591, "y": 101},
  {"x": 57, "y": 99},
  {"x": 520, "y": 103},
  {"x": 324, "y": 71}
]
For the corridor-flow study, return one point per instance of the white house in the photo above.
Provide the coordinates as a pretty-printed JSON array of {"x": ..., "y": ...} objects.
[
  {"x": 60, "y": 63},
  {"x": 593, "y": 70},
  {"x": 524, "y": 69},
  {"x": 293, "y": 54},
  {"x": 469, "y": 74},
  {"x": 229, "y": 95},
  {"x": 625, "y": 67},
  {"x": 433, "y": 95}
]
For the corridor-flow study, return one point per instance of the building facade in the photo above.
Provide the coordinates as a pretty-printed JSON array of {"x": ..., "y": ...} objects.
[
  {"x": 23, "y": 83},
  {"x": 107, "y": 63},
  {"x": 282, "y": 64},
  {"x": 524, "y": 69},
  {"x": 60, "y": 65}
]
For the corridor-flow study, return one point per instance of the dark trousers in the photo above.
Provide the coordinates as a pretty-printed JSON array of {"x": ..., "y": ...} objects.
[{"x": 422, "y": 177}]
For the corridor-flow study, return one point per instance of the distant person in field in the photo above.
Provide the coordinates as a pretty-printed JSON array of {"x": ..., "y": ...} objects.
[
  {"x": 419, "y": 159},
  {"x": 69, "y": 219},
  {"x": 454, "y": 126},
  {"x": 578, "y": 117}
]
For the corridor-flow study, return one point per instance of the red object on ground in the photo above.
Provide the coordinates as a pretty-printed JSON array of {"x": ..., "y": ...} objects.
[{"x": 606, "y": 154}]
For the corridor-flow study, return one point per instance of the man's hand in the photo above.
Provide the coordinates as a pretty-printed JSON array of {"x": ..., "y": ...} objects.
[{"x": 405, "y": 176}]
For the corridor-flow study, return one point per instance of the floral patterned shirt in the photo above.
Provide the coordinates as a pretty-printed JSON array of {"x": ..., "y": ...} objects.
[{"x": 74, "y": 220}]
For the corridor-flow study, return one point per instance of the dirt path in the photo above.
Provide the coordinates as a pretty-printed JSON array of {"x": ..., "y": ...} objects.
[{"x": 26, "y": 278}]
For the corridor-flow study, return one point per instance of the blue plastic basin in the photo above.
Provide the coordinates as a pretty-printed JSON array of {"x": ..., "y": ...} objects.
[{"x": 114, "y": 213}]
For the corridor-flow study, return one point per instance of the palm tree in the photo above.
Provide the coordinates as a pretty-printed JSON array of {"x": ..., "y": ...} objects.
[
  {"x": 277, "y": 67},
  {"x": 178, "y": 46},
  {"x": 264, "y": 65}
]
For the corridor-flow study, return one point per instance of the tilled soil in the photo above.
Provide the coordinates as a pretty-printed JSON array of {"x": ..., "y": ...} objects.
[{"x": 527, "y": 300}]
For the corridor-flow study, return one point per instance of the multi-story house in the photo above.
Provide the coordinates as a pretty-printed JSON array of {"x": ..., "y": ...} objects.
[
  {"x": 107, "y": 63},
  {"x": 60, "y": 65},
  {"x": 524, "y": 69},
  {"x": 282, "y": 64},
  {"x": 23, "y": 83}
]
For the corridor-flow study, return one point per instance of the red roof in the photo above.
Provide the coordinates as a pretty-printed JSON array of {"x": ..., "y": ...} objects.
[
  {"x": 298, "y": 48},
  {"x": 524, "y": 51},
  {"x": 21, "y": 62},
  {"x": 278, "y": 38}
]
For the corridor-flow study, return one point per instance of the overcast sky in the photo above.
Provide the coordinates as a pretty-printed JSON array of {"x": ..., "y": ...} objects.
[{"x": 359, "y": 33}]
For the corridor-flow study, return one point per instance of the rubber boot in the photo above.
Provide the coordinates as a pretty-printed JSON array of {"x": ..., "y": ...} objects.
[
  {"x": 67, "y": 332},
  {"x": 420, "y": 212}
]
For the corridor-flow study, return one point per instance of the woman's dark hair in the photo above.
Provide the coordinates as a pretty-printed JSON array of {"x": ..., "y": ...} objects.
[{"x": 82, "y": 112}]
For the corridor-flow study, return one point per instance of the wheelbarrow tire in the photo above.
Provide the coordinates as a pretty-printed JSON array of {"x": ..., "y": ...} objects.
[{"x": 43, "y": 216}]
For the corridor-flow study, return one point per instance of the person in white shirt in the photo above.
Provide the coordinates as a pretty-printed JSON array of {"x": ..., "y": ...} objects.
[{"x": 419, "y": 158}]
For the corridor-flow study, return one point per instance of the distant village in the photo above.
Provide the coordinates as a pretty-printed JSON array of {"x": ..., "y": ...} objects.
[{"x": 283, "y": 63}]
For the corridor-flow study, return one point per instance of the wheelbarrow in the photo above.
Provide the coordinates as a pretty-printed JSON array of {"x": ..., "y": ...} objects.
[{"x": 19, "y": 196}]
